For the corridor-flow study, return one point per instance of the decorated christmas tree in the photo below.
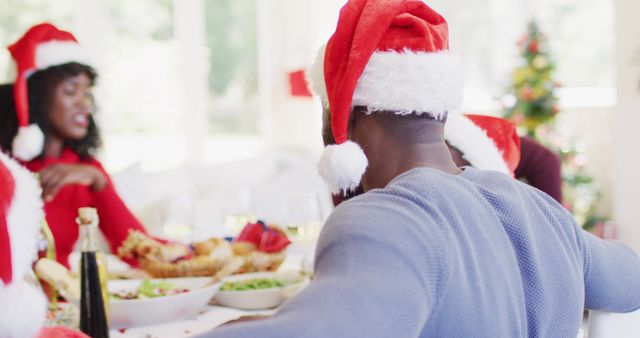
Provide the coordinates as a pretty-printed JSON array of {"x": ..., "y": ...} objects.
[
  {"x": 534, "y": 110},
  {"x": 533, "y": 85}
]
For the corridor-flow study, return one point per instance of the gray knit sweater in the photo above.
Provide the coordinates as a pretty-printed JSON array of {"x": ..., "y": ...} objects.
[{"x": 437, "y": 255}]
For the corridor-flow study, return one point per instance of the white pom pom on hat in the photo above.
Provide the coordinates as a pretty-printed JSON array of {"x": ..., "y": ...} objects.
[
  {"x": 342, "y": 166},
  {"x": 28, "y": 143}
]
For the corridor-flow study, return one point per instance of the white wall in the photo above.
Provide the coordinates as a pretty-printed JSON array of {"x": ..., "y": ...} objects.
[{"x": 627, "y": 122}]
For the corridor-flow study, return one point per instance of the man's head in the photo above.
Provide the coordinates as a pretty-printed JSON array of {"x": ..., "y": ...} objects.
[
  {"x": 385, "y": 58},
  {"x": 394, "y": 144},
  {"x": 484, "y": 142}
]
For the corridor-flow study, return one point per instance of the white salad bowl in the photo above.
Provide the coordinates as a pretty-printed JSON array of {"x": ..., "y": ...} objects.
[
  {"x": 148, "y": 311},
  {"x": 262, "y": 298}
]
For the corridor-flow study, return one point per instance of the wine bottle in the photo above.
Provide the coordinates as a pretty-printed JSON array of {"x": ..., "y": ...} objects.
[{"x": 93, "y": 313}]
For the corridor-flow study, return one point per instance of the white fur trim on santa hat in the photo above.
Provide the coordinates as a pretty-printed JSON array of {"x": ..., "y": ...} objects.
[
  {"x": 342, "y": 166},
  {"x": 54, "y": 53},
  {"x": 315, "y": 76},
  {"x": 403, "y": 82},
  {"x": 410, "y": 82},
  {"x": 474, "y": 144},
  {"x": 24, "y": 217},
  {"x": 22, "y": 306},
  {"x": 28, "y": 143},
  {"x": 22, "y": 310}
]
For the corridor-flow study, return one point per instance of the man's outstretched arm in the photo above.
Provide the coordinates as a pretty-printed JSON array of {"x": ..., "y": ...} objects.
[
  {"x": 366, "y": 285},
  {"x": 612, "y": 275}
]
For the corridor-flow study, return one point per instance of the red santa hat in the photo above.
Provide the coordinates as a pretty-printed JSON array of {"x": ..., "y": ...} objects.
[
  {"x": 387, "y": 56},
  {"x": 486, "y": 142},
  {"x": 22, "y": 306},
  {"x": 43, "y": 46}
]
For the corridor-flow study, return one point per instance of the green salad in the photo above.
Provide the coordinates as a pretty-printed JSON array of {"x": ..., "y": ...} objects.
[
  {"x": 149, "y": 289},
  {"x": 252, "y": 284}
]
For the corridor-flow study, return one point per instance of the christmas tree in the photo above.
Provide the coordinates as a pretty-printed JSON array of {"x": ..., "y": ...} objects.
[
  {"x": 534, "y": 110},
  {"x": 532, "y": 84}
]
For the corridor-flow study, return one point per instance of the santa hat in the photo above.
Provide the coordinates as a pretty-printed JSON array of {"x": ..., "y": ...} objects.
[
  {"x": 486, "y": 142},
  {"x": 386, "y": 56},
  {"x": 22, "y": 306},
  {"x": 43, "y": 46}
]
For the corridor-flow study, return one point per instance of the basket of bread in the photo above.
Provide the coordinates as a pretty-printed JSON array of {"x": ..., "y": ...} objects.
[{"x": 261, "y": 246}]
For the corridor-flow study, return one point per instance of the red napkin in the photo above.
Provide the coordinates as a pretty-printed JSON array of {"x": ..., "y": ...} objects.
[
  {"x": 263, "y": 237},
  {"x": 251, "y": 233},
  {"x": 298, "y": 84},
  {"x": 60, "y": 332}
]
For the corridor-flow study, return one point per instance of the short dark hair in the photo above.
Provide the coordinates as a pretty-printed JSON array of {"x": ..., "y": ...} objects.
[
  {"x": 41, "y": 85},
  {"x": 412, "y": 128},
  {"x": 327, "y": 132}
]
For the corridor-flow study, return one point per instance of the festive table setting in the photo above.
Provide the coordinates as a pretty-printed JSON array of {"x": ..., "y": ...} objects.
[{"x": 175, "y": 289}]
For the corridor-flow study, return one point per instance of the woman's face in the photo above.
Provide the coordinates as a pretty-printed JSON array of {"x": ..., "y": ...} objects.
[{"x": 70, "y": 110}]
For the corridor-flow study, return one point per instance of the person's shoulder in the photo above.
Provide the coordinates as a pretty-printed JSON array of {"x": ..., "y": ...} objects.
[
  {"x": 499, "y": 186},
  {"x": 384, "y": 204},
  {"x": 385, "y": 215},
  {"x": 386, "y": 222}
]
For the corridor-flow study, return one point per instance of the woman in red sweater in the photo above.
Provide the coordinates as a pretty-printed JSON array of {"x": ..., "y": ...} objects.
[{"x": 47, "y": 123}]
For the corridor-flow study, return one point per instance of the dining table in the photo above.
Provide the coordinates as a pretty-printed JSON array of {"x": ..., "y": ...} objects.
[{"x": 206, "y": 320}]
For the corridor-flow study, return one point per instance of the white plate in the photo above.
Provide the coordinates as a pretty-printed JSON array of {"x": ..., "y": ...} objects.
[
  {"x": 149, "y": 311},
  {"x": 261, "y": 299}
]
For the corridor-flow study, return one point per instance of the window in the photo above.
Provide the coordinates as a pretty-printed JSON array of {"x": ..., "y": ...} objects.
[
  {"x": 484, "y": 33},
  {"x": 140, "y": 69},
  {"x": 191, "y": 78},
  {"x": 582, "y": 41},
  {"x": 231, "y": 38},
  {"x": 16, "y": 16}
]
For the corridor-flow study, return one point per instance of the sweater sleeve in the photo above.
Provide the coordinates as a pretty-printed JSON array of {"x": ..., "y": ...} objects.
[
  {"x": 368, "y": 283},
  {"x": 611, "y": 274},
  {"x": 116, "y": 220}
]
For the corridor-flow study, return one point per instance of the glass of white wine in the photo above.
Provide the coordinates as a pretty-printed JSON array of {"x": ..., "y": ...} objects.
[{"x": 302, "y": 215}]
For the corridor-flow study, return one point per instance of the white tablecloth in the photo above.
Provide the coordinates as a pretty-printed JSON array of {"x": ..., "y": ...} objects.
[{"x": 208, "y": 319}]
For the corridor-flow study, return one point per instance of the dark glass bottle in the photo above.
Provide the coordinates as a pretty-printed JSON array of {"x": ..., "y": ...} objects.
[{"x": 93, "y": 314}]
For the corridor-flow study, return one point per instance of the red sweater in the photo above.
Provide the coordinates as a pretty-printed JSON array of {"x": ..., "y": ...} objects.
[{"x": 61, "y": 212}]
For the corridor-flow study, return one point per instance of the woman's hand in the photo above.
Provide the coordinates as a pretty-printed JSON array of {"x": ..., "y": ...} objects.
[{"x": 56, "y": 176}]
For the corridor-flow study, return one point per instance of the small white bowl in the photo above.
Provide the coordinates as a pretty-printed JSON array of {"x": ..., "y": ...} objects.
[
  {"x": 149, "y": 311},
  {"x": 264, "y": 298}
]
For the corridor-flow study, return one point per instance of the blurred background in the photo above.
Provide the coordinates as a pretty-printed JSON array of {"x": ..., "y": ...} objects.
[{"x": 203, "y": 117}]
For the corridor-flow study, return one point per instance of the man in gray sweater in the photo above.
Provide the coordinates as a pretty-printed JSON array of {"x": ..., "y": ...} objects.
[{"x": 430, "y": 249}]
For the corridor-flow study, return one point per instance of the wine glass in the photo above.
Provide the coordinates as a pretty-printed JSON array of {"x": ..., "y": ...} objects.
[
  {"x": 237, "y": 210},
  {"x": 178, "y": 217},
  {"x": 302, "y": 215}
]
